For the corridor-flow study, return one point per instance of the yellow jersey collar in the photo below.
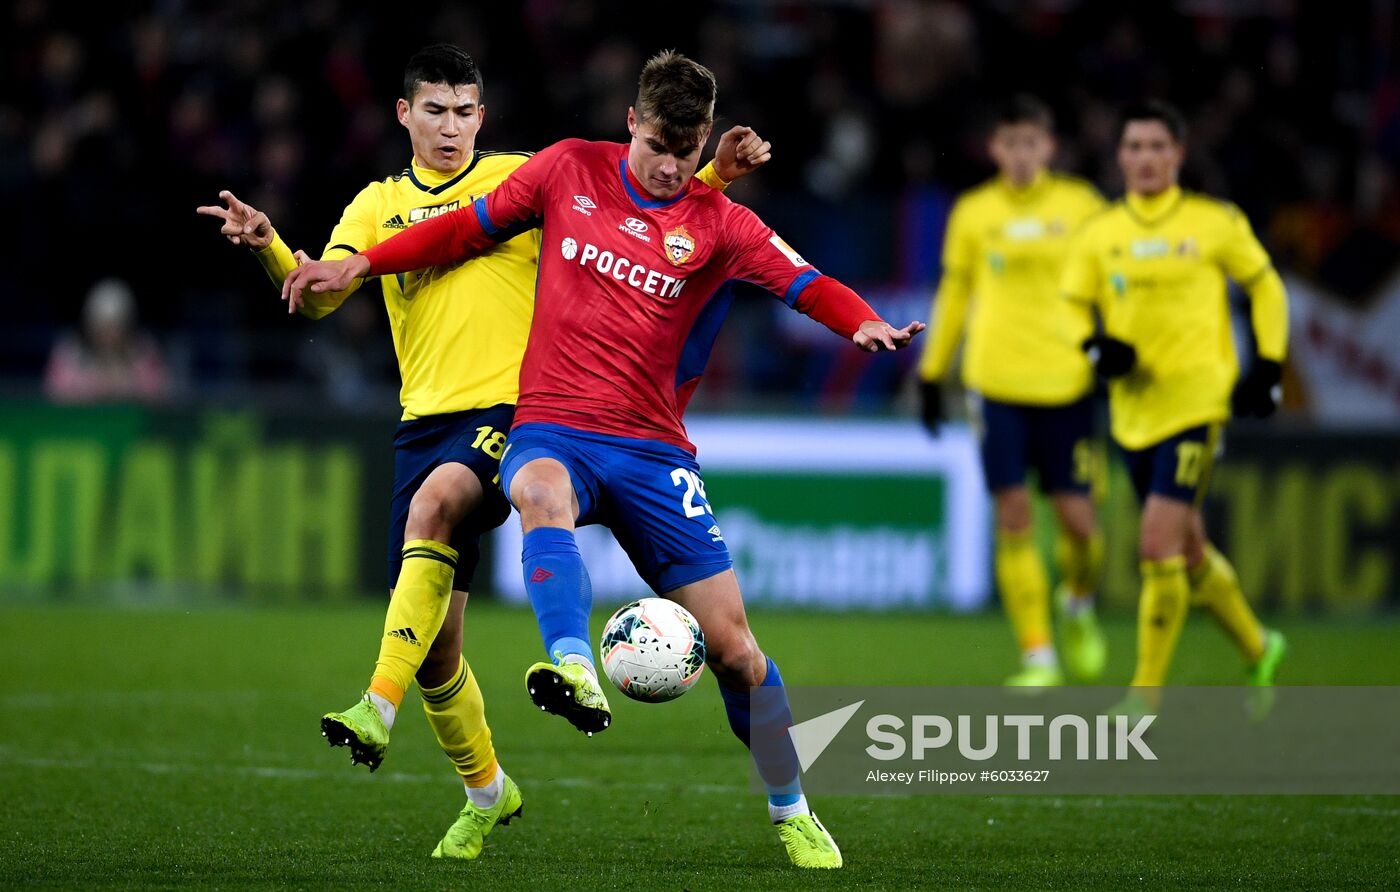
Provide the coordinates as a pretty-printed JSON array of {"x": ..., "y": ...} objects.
[
  {"x": 436, "y": 183},
  {"x": 1150, "y": 209},
  {"x": 1025, "y": 193}
]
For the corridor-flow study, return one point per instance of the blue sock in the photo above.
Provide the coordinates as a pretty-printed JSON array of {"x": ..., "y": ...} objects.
[
  {"x": 775, "y": 757},
  {"x": 559, "y": 590}
]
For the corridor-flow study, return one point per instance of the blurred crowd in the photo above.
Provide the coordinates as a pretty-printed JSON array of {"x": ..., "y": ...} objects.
[{"x": 116, "y": 122}]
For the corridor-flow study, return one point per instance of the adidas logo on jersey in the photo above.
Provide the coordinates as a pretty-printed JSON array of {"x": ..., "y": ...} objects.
[{"x": 395, "y": 222}]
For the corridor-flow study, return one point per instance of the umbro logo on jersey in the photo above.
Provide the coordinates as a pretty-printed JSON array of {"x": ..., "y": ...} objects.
[
  {"x": 635, "y": 228},
  {"x": 406, "y": 634},
  {"x": 715, "y": 534},
  {"x": 584, "y": 205},
  {"x": 395, "y": 222}
]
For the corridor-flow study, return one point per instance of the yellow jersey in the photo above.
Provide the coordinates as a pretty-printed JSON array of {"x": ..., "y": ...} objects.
[
  {"x": 459, "y": 330},
  {"x": 1003, "y": 256},
  {"x": 1155, "y": 268}
]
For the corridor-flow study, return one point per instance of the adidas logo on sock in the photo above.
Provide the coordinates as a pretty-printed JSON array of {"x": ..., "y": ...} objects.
[
  {"x": 406, "y": 634},
  {"x": 540, "y": 575},
  {"x": 395, "y": 222}
]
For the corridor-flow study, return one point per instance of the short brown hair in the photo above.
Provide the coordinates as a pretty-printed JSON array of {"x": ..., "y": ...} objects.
[{"x": 676, "y": 95}]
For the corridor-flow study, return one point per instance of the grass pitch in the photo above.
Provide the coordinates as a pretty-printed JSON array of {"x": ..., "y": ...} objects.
[{"x": 159, "y": 749}]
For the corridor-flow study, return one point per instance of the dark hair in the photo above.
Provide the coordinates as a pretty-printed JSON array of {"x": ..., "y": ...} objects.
[
  {"x": 1168, "y": 115},
  {"x": 1023, "y": 108},
  {"x": 441, "y": 63},
  {"x": 676, "y": 95}
]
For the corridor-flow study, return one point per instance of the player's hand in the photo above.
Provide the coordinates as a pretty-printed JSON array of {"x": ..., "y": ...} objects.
[
  {"x": 1110, "y": 357},
  {"x": 1258, "y": 393},
  {"x": 319, "y": 276},
  {"x": 931, "y": 410},
  {"x": 741, "y": 151},
  {"x": 243, "y": 223},
  {"x": 874, "y": 335}
]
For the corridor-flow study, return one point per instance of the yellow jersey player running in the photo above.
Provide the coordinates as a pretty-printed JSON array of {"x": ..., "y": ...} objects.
[
  {"x": 1030, "y": 384},
  {"x": 1154, "y": 267},
  {"x": 459, "y": 332}
]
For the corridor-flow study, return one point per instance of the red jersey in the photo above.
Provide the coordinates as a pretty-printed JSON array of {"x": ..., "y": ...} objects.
[{"x": 631, "y": 290}]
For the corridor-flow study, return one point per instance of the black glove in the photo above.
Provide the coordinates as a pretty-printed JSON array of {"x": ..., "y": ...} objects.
[
  {"x": 1258, "y": 393},
  {"x": 931, "y": 406},
  {"x": 1110, "y": 357}
]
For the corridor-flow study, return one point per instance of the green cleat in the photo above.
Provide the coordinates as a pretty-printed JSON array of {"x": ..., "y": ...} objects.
[
  {"x": 1031, "y": 677},
  {"x": 1083, "y": 647},
  {"x": 465, "y": 837},
  {"x": 360, "y": 728},
  {"x": 1135, "y": 705},
  {"x": 1260, "y": 700},
  {"x": 571, "y": 691},
  {"x": 807, "y": 842}
]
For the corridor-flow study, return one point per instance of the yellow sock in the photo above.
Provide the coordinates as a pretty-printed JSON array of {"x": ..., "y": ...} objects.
[
  {"x": 1025, "y": 589},
  {"x": 415, "y": 616},
  {"x": 1160, "y": 617},
  {"x": 1079, "y": 562},
  {"x": 1215, "y": 585},
  {"x": 458, "y": 716}
]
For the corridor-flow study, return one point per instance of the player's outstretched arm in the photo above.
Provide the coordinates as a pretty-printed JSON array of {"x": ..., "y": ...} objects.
[
  {"x": 740, "y": 152},
  {"x": 840, "y": 309}
]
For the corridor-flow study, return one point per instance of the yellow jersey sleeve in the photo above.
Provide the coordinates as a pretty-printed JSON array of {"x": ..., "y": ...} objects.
[
  {"x": 1082, "y": 279},
  {"x": 1245, "y": 260},
  {"x": 276, "y": 259},
  {"x": 949, "y": 310},
  {"x": 354, "y": 233},
  {"x": 710, "y": 177},
  {"x": 1268, "y": 313}
]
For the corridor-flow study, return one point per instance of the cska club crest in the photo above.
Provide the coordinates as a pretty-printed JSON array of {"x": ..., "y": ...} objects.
[{"x": 679, "y": 245}]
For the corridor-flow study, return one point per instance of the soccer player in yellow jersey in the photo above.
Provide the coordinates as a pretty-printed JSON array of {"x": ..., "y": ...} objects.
[
  {"x": 1031, "y": 384},
  {"x": 1154, "y": 266},
  {"x": 459, "y": 332}
]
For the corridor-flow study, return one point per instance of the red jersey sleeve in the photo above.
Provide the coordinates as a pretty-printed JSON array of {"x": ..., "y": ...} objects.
[
  {"x": 512, "y": 207},
  {"x": 759, "y": 255}
]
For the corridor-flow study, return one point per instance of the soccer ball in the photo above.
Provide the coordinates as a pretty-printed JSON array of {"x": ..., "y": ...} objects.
[{"x": 653, "y": 650}]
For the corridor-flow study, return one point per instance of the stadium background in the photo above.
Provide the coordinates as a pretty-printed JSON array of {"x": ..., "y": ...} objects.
[
  {"x": 116, "y": 124},
  {"x": 189, "y": 579}
]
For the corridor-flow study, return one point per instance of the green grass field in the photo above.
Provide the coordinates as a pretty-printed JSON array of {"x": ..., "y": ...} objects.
[{"x": 163, "y": 749}]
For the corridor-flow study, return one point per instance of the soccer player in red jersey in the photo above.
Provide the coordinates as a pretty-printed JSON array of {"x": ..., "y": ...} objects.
[{"x": 631, "y": 294}]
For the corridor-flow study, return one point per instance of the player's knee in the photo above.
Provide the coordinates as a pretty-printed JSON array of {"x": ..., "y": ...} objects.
[
  {"x": 431, "y": 517},
  {"x": 1076, "y": 516},
  {"x": 1013, "y": 509},
  {"x": 739, "y": 665},
  {"x": 540, "y": 501},
  {"x": 1158, "y": 545}
]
